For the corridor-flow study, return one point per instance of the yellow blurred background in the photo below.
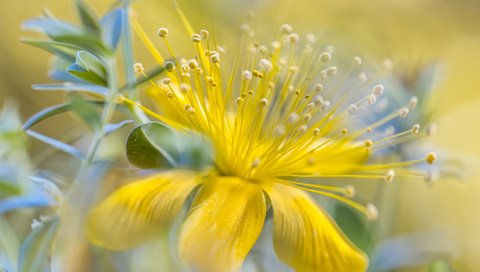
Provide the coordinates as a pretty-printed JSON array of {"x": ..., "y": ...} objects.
[{"x": 405, "y": 30}]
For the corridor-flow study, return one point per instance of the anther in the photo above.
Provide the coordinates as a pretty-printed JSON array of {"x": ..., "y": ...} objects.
[
  {"x": 349, "y": 191},
  {"x": 390, "y": 176},
  {"x": 238, "y": 101},
  {"x": 215, "y": 57},
  {"x": 184, "y": 87},
  {"x": 331, "y": 71},
  {"x": 310, "y": 106},
  {"x": 413, "y": 102},
  {"x": 318, "y": 100},
  {"x": 162, "y": 32},
  {"x": 293, "y": 38},
  {"x": 431, "y": 157},
  {"x": 415, "y": 128},
  {"x": 138, "y": 68},
  {"x": 170, "y": 94},
  {"x": 362, "y": 77},
  {"x": 256, "y": 73},
  {"x": 344, "y": 131},
  {"x": 325, "y": 57},
  {"x": 293, "y": 118},
  {"x": 357, "y": 61},
  {"x": 247, "y": 75},
  {"x": 196, "y": 38},
  {"x": 372, "y": 212},
  {"x": 169, "y": 66},
  {"x": 192, "y": 64},
  {"x": 316, "y": 132},
  {"x": 404, "y": 112},
  {"x": 307, "y": 117},
  {"x": 377, "y": 90},
  {"x": 166, "y": 81},
  {"x": 371, "y": 99},
  {"x": 286, "y": 29},
  {"x": 266, "y": 65},
  {"x": 352, "y": 109},
  {"x": 368, "y": 143},
  {"x": 264, "y": 102},
  {"x": 191, "y": 110},
  {"x": 302, "y": 129},
  {"x": 204, "y": 33}
]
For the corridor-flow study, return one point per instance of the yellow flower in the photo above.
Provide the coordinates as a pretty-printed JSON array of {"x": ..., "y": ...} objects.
[{"x": 272, "y": 116}]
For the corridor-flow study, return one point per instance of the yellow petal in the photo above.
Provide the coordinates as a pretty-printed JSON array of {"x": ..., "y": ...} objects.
[
  {"x": 306, "y": 238},
  {"x": 224, "y": 223},
  {"x": 136, "y": 211}
]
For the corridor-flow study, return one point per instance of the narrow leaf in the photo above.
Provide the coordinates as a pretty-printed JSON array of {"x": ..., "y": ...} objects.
[
  {"x": 8, "y": 189},
  {"x": 112, "y": 25},
  {"x": 25, "y": 201},
  {"x": 71, "y": 87},
  {"x": 85, "y": 110},
  {"x": 110, "y": 128},
  {"x": 62, "y": 50},
  {"x": 87, "y": 16},
  {"x": 57, "y": 144},
  {"x": 86, "y": 75}
]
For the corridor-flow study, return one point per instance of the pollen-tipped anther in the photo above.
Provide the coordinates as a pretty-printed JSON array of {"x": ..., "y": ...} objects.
[
  {"x": 162, "y": 32},
  {"x": 390, "y": 176},
  {"x": 431, "y": 157},
  {"x": 372, "y": 212},
  {"x": 138, "y": 68}
]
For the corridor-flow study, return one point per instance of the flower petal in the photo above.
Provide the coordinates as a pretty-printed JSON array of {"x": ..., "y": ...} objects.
[
  {"x": 224, "y": 223},
  {"x": 136, "y": 211},
  {"x": 306, "y": 238}
]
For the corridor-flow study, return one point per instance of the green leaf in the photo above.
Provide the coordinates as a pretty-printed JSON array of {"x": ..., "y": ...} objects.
[
  {"x": 57, "y": 144},
  {"x": 153, "y": 145},
  {"x": 89, "y": 68},
  {"x": 86, "y": 112},
  {"x": 87, "y": 16},
  {"x": 144, "y": 146},
  {"x": 91, "y": 63},
  {"x": 84, "y": 40},
  {"x": 112, "y": 26},
  {"x": 62, "y": 50},
  {"x": 86, "y": 75},
  {"x": 35, "y": 250},
  {"x": 355, "y": 226}
]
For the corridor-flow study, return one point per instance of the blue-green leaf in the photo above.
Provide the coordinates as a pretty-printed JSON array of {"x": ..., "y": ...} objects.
[
  {"x": 52, "y": 27},
  {"x": 110, "y": 128},
  {"x": 62, "y": 50},
  {"x": 37, "y": 199},
  {"x": 36, "y": 249},
  {"x": 112, "y": 26},
  {"x": 85, "y": 110},
  {"x": 87, "y": 16},
  {"x": 92, "y": 88},
  {"x": 86, "y": 75},
  {"x": 57, "y": 144}
]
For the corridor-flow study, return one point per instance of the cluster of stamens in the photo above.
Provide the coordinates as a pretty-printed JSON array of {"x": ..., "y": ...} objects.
[{"x": 279, "y": 105}]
